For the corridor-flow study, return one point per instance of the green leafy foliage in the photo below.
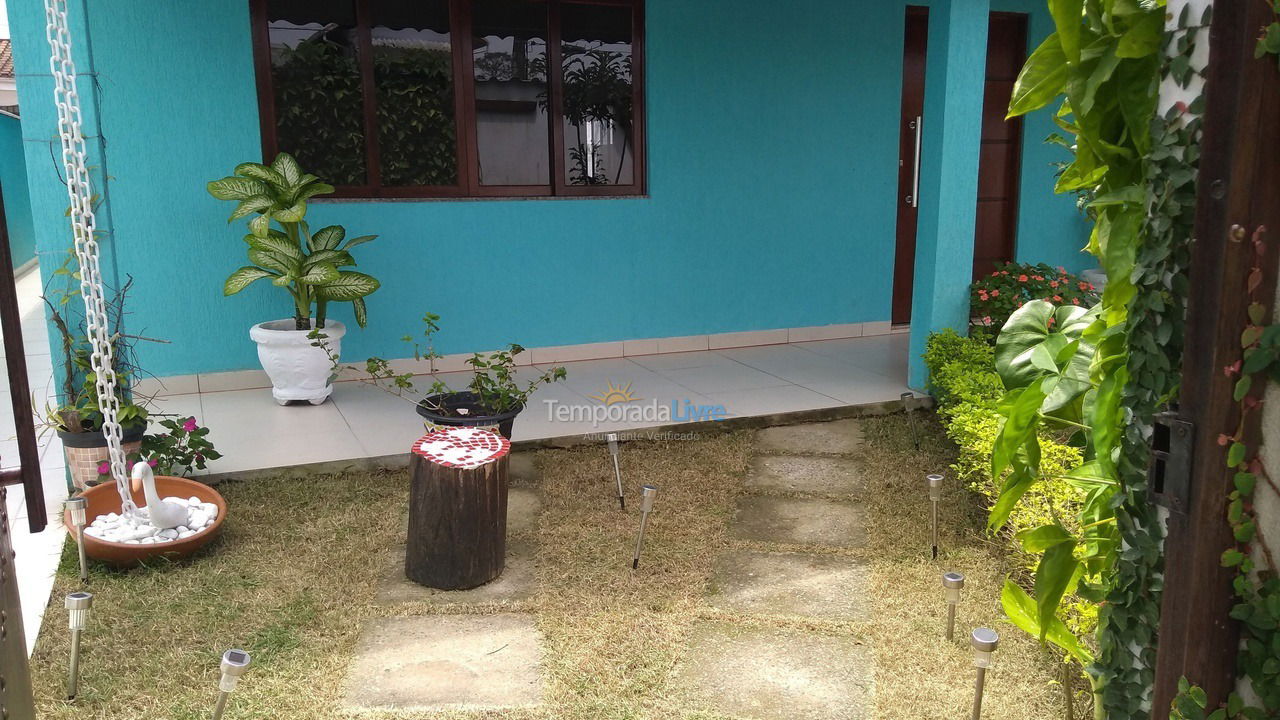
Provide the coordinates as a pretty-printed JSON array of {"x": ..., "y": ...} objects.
[
  {"x": 308, "y": 265},
  {"x": 1103, "y": 65},
  {"x": 963, "y": 379},
  {"x": 494, "y": 378}
]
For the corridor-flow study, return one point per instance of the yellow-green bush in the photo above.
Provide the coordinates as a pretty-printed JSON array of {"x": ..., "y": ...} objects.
[{"x": 963, "y": 380}]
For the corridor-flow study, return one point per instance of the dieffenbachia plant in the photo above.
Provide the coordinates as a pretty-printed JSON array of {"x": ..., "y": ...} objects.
[{"x": 308, "y": 265}]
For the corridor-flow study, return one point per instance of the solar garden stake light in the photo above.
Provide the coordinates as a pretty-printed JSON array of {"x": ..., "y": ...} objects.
[
  {"x": 78, "y": 605},
  {"x": 617, "y": 471},
  {"x": 984, "y": 642},
  {"x": 647, "y": 494},
  {"x": 935, "y": 494},
  {"x": 234, "y": 663},
  {"x": 909, "y": 404},
  {"x": 952, "y": 583},
  {"x": 76, "y": 507}
]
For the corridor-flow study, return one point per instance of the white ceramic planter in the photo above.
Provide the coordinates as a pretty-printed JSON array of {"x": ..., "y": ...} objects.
[{"x": 298, "y": 370}]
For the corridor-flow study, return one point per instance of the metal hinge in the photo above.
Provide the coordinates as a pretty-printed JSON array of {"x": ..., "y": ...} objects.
[{"x": 1172, "y": 452}]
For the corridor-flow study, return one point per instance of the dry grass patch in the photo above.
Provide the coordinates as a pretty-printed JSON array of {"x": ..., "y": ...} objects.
[{"x": 296, "y": 571}]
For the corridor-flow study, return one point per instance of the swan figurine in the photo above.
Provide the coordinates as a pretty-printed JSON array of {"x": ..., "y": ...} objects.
[{"x": 164, "y": 514}]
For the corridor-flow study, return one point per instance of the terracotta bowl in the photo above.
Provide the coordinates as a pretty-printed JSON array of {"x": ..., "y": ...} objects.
[{"x": 103, "y": 499}]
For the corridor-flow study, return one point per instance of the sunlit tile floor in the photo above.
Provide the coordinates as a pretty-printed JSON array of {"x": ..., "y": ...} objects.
[{"x": 254, "y": 433}]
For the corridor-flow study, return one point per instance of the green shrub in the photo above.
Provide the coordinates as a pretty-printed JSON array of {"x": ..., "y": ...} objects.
[
  {"x": 963, "y": 380},
  {"x": 993, "y": 298}
]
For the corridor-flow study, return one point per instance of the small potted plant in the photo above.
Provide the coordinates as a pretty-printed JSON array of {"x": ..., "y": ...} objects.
[
  {"x": 493, "y": 398},
  {"x": 77, "y": 417},
  {"x": 309, "y": 265},
  {"x": 182, "y": 446}
]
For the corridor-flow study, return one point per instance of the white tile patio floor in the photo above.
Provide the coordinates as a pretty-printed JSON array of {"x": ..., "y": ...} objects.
[{"x": 254, "y": 433}]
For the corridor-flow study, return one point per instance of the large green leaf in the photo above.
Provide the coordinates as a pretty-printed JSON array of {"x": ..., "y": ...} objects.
[
  {"x": 1042, "y": 79},
  {"x": 287, "y": 167},
  {"x": 1030, "y": 347},
  {"x": 1020, "y": 409},
  {"x": 349, "y": 285},
  {"x": 278, "y": 243},
  {"x": 292, "y": 214},
  {"x": 337, "y": 258},
  {"x": 1055, "y": 572},
  {"x": 258, "y": 171},
  {"x": 310, "y": 190},
  {"x": 327, "y": 238},
  {"x": 362, "y": 313},
  {"x": 273, "y": 260},
  {"x": 1144, "y": 36},
  {"x": 1068, "y": 17},
  {"x": 1044, "y": 537},
  {"x": 260, "y": 226},
  {"x": 319, "y": 274},
  {"x": 243, "y": 278},
  {"x": 236, "y": 188},
  {"x": 251, "y": 205},
  {"x": 1023, "y": 612},
  {"x": 359, "y": 241}
]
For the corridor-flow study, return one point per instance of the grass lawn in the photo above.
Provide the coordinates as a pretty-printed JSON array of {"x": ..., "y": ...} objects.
[{"x": 295, "y": 572}]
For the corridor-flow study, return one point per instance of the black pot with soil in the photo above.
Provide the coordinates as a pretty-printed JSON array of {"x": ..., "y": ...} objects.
[{"x": 463, "y": 409}]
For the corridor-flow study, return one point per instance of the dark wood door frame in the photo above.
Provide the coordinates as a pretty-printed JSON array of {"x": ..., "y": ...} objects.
[
  {"x": 28, "y": 471},
  {"x": 1238, "y": 183},
  {"x": 910, "y": 142}
]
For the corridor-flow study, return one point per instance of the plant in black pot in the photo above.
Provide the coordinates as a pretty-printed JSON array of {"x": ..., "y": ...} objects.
[{"x": 493, "y": 398}]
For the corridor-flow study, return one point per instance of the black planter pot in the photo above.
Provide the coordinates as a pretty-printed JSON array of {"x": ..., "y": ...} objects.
[
  {"x": 98, "y": 439},
  {"x": 476, "y": 415}
]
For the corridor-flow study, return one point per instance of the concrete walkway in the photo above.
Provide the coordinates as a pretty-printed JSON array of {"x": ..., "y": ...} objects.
[
  {"x": 781, "y": 641},
  {"x": 798, "y": 528}
]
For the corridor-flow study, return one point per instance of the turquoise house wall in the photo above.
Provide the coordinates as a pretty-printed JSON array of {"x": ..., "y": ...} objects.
[
  {"x": 17, "y": 202},
  {"x": 772, "y": 190}
]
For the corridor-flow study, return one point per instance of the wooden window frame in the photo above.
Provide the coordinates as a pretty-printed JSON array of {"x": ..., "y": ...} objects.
[{"x": 468, "y": 185}]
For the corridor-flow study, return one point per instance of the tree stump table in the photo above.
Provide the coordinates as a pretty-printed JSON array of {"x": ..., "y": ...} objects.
[{"x": 457, "y": 509}]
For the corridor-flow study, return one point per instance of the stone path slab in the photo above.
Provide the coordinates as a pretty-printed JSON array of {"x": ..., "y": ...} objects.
[
  {"x": 801, "y": 522},
  {"x": 517, "y": 582},
  {"x": 521, "y": 468},
  {"x": 523, "y": 508},
  {"x": 778, "y": 675},
  {"x": 441, "y": 662},
  {"x": 820, "y": 586},
  {"x": 804, "y": 474},
  {"x": 839, "y": 437}
]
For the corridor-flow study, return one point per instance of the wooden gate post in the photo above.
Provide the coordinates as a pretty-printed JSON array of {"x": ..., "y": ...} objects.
[
  {"x": 1238, "y": 185},
  {"x": 457, "y": 509}
]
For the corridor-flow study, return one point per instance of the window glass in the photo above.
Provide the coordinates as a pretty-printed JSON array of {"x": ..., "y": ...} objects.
[
  {"x": 597, "y": 102},
  {"x": 319, "y": 107},
  {"x": 413, "y": 75},
  {"x": 510, "y": 61}
]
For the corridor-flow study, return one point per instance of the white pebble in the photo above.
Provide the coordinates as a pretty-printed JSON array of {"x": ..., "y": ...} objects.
[
  {"x": 186, "y": 534},
  {"x": 168, "y": 534},
  {"x": 193, "y": 500}
]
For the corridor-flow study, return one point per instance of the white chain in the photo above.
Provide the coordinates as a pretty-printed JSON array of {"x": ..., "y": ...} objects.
[{"x": 83, "y": 228}]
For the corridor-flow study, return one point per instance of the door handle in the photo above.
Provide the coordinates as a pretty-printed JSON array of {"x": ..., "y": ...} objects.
[{"x": 915, "y": 179}]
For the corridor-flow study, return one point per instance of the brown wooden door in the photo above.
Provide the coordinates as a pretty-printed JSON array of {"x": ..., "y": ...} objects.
[
  {"x": 909, "y": 144},
  {"x": 999, "y": 171}
]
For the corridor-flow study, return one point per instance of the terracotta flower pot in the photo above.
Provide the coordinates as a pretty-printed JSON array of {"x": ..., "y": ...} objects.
[{"x": 104, "y": 499}]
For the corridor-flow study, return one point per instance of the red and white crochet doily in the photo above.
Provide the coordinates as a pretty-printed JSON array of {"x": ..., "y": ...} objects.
[{"x": 464, "y": 448}]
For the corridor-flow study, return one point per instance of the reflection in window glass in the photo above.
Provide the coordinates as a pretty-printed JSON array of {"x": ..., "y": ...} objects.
[
  {"x": 413, "y": 74},
  {"x": 511, "y": 91},
  {"x": 315, "y": 75},
  {"x": 597, "y": 105}
]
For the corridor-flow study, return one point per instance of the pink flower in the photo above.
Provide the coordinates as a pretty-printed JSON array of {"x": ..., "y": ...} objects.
[
  {"x": 1075, "y": 301},
  {"x": 190, "y": 425},
  {"x": 982, "y": 295},
  {"x": 1022, "y": 278},
  {"x": 1037, "y": 278},
  {"x": 104, "y": 468},
  {"x": 1084, "y": 285},
  {"x": 153, "y": 462},
  {"x": 1057, "y": 298},
  {"x": 1053, "y": 283},
  {"x": 995, "y": 293},
  {"x": 986, "y": 320},
  {"x": 995, "y": 273}
]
